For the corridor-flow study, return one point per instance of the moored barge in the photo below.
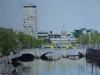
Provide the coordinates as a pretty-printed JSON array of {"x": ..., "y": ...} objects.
[{"x": 93, "y": 53}]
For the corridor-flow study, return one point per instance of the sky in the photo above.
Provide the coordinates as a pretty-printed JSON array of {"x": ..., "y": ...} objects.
[{"x": 53, "y": 15}]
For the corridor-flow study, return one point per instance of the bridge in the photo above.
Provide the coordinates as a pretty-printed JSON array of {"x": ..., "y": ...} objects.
[
  {"x": 56, "y": 52},
  {"x": 35, "y": 52}
]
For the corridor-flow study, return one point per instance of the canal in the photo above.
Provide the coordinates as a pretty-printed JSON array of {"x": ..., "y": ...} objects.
[{"x": 64, "y": 66}]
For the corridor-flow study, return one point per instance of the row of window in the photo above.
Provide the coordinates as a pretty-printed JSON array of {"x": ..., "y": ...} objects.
[{"x": 28, "y": 26}]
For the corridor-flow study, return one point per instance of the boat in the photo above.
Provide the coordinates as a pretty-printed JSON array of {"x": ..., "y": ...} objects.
[
  {"x": 93, "y": 61},
  {"x": 93, "y": 53}
]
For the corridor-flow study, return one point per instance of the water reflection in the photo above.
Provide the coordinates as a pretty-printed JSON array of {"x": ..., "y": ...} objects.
[
  {"x": 61, "y": 67},
  {"x": 93, "y": 61},
  {"x": 95, "y": 66}
]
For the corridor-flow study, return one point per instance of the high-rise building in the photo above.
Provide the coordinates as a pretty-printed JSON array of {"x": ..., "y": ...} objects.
[{"x": 30, "y": 19}]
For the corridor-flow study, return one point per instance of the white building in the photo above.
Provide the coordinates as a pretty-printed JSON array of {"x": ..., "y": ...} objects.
[
  {"x": 30, "y": 19},
  {"x": 64, "y": 39}
]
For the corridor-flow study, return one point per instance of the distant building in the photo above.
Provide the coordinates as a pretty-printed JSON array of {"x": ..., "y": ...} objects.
[
  {"x": 47, "y": 35},
  {"x": 30, "y": 19},
  {"x": 63, "y": 39},
  {"x": 57, "y": 38},
  {"x": 42, "y": 35}
]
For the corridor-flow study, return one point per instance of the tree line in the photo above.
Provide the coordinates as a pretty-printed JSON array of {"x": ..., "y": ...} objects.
[
  {"x": 11, "y": 40},
  {"x": 90, "y": 37}
]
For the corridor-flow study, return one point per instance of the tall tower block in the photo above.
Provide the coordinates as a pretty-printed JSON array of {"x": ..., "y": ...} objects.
[{"x": 30, "y": 19}]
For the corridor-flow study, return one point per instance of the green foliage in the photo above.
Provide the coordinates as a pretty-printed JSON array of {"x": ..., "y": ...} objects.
[
  {"x": 27, "y": 41},
  {"x": 10, "y": 41},
  {"x": 89, "y": 38},
  {"x": 47, "y": 41},
  {"x": 24, "y": 40},
  {"x": 82, "y": 39},
  {"x": 37, "y": 43},
  {"x": 7, "y": 40}
]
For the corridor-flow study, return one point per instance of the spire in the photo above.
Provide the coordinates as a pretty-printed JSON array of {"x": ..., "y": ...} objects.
[{"x": 63, "y": 31}]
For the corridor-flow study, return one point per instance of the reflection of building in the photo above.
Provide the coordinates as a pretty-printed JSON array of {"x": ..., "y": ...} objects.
[{"x": 30, "y": 19}]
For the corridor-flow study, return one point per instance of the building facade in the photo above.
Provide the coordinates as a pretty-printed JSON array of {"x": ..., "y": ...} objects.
[{"x": 30, "y": 19}]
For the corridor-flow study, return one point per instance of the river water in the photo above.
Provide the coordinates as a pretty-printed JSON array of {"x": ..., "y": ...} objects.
[
  {"x": 64, "y": 66},
  {"x": 61, "y": 67}
]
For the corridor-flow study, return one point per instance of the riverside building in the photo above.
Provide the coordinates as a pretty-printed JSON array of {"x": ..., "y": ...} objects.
[{"x": 30, "y": 19}]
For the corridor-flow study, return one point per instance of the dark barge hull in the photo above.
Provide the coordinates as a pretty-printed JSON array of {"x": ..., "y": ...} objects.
[
  {"x": 93, "y": 61},
  {"x": 93, "y": 53}
]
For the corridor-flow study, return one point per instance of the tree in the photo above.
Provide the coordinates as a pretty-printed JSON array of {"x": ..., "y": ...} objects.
[
  {"x": 11, "y": 40},
  {"x": 7, "y": 40}
]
